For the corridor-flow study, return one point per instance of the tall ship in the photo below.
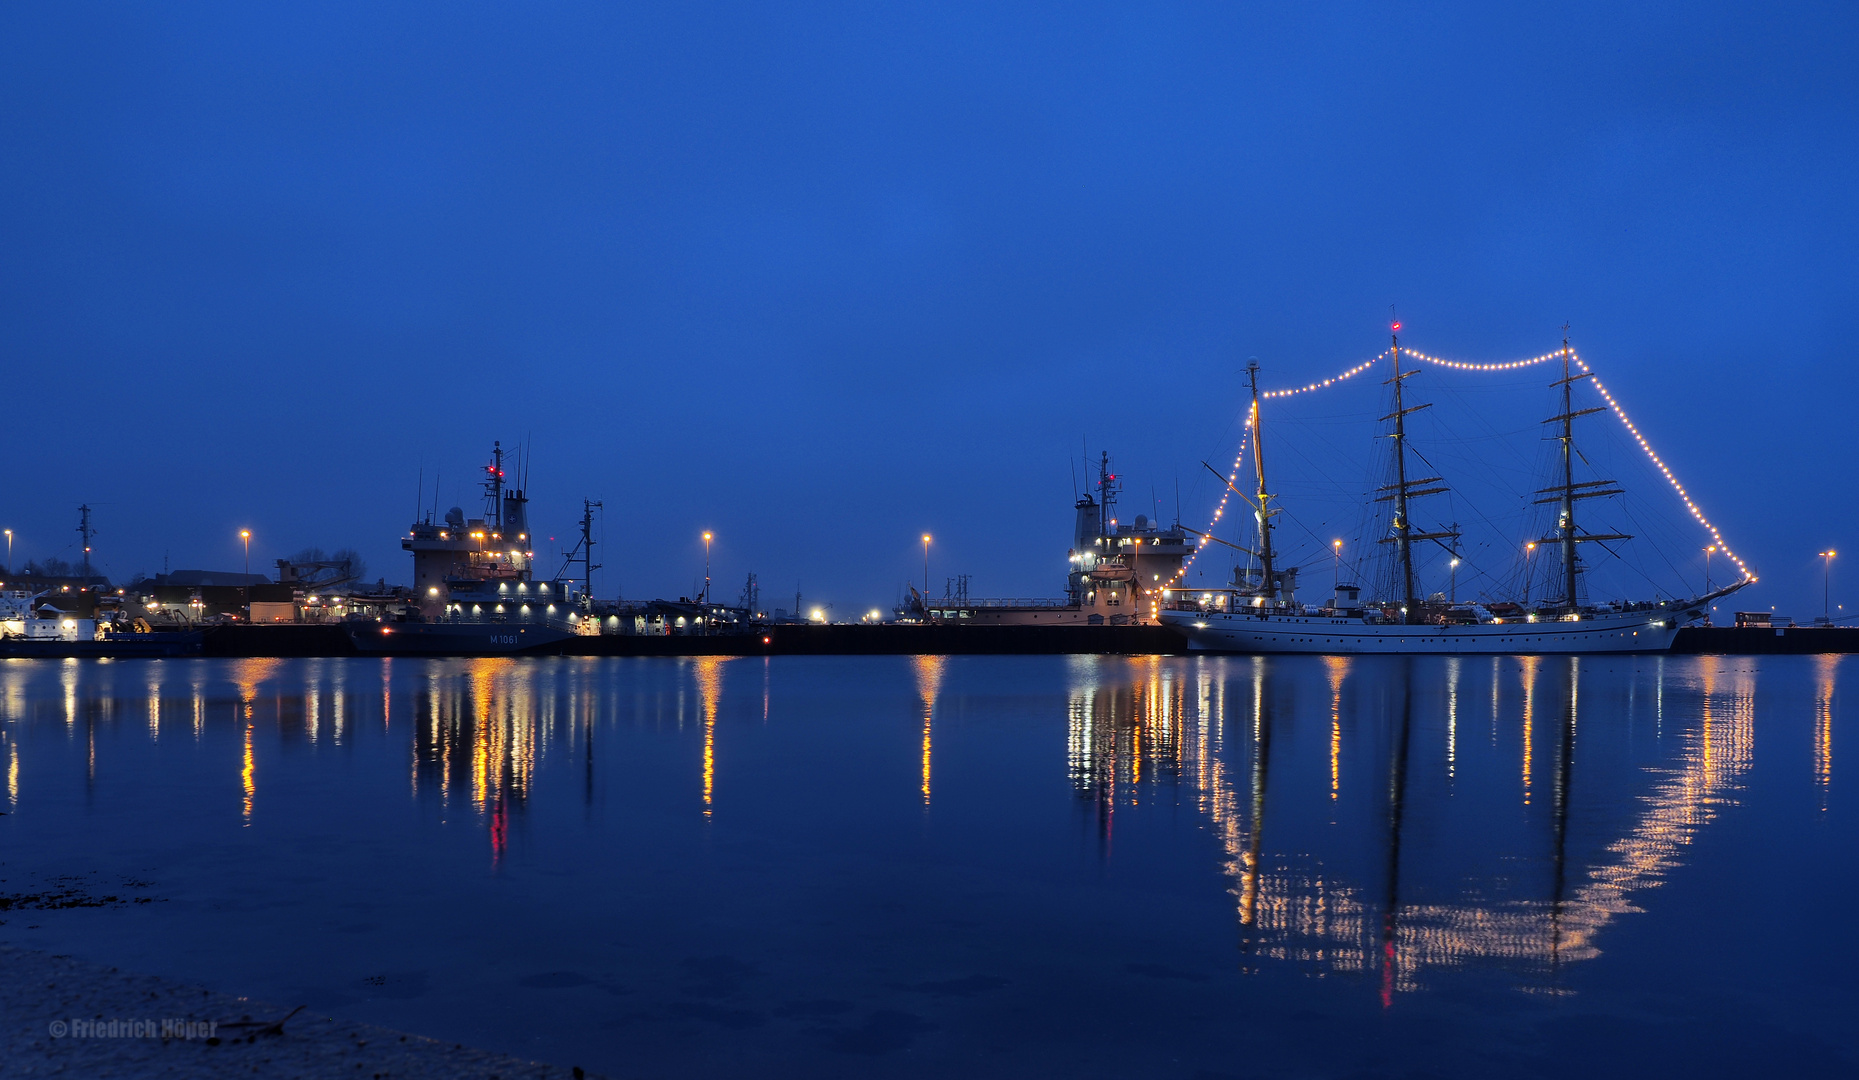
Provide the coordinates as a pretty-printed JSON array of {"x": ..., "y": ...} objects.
[
  {"x": 1258, "y": 611},
  {"x": 475, "y": 584}
]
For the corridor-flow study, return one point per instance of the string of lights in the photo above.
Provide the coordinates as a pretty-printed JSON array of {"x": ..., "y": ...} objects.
[
  {"x": 1461, "y": 365},
  {"x": 1232, "y": 477},
  {"x": 1331, "y": 381},
  {"x": 1653, "y": 455}
]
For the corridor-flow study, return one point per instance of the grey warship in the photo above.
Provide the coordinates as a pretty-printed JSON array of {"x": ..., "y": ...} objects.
[{"x": 477, "y": 593}]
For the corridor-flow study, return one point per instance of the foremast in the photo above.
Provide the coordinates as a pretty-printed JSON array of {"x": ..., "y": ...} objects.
[
  {"x": 1567, "y": 493},
  {"x": 1268, "y": 583}
]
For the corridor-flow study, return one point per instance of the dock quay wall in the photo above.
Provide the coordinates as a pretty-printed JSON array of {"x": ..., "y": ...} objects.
[
  {"x": 1760, "y": 640},
  {"x": 331, "y": 640}
]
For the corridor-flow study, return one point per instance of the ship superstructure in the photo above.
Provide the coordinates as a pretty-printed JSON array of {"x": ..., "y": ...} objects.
[
  {"x": 1117, "y": 570},
  {"x": 1259, "y": 611},
  {"x": 472, "y": 556},
  {"x": 474, "y": 578}
]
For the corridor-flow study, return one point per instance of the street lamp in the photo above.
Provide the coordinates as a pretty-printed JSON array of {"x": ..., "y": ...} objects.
[
  {"x": 926, "y": 539},
  {"x": 706, "y": 568},
  {"x": 1826, "y": 586},
  {"x": 1708, "y": 551},
  {"x": 246, "y": 535},
  {"x": 1529, "y": 549},
  {"x": 1453, "y": 597},
  {"x": 9, "y": 551},
  {"x": 1337, "y": 582}
]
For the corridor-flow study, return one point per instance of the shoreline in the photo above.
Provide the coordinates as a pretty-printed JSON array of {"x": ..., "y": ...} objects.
[{"x": 207, "y": 1034}]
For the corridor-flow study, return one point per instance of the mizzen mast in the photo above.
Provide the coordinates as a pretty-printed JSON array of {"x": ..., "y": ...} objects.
[{"x": 1567, "y": 492}]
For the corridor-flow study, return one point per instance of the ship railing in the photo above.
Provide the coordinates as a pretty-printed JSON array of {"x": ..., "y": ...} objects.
[{"x": 1204, "y": 600}]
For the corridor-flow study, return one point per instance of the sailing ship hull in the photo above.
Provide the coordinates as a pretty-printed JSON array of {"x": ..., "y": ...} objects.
[{"x": 1242, "y": 632}]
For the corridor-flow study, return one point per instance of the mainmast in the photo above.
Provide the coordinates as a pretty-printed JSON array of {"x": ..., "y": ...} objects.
[
  {"x": 1568, "y": 491},
  {"x": 1404, "y": 536},
  {"x": 1268, "y": 584}
]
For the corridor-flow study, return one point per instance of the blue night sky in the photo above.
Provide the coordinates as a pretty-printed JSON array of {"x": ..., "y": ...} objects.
[{"x": 822, "y": 278}]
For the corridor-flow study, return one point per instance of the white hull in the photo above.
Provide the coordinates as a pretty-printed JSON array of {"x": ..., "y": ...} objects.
[{"x": 1244, "y": 632}]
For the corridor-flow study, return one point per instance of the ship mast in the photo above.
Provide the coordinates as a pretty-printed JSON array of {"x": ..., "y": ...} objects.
[
  {"x": 493, "y": 488},
  {"x": 1107, "y": 495},
  {"x": 1569, "y": 491},
  {"x": 84, "y": 530},
  {"x": 588, "y": 565},
  {"x": 1403, "y": 488},
  {"x": 1268, "y": 585}
]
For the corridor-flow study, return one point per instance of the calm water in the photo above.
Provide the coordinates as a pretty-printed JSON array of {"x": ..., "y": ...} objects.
[{"x": 986, "y": 865}]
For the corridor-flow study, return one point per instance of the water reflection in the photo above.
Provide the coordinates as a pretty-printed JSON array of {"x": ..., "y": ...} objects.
[
  {"x": 710, "y": 687},
  {"x": 1304, "y": 893},
  {"x": 929, "y": 684},
  {"x": 1358, "y": 825},
  {"x": 248, "y": 776},
  {"x": 1825, "y": 669}
]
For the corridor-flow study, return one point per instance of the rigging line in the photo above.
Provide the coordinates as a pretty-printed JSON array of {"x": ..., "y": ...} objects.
[
  {"x": 1630, "y": 566},
  {"x": 1337, "y": 486},
  {"x": 1478, "y": 512},
  {"x": 1331, "y": 381},
  {"x": 1696, "y": 511},
  {"x": 1658, "y": 550},
  {"x": 1480, "y": 418},
  {"x": 1219, "y": 511}
]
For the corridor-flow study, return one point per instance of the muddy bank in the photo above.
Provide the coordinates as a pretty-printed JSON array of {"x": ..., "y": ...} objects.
[{"x": 61, "y": 1016}]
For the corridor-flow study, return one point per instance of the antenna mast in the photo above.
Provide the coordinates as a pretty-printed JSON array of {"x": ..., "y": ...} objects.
[
  {"x": 1107, "y": 494},
  {"x": 493, "y": 488},
  {"x": 84, "y": 530},
  {"x": 588, "y": 565}
]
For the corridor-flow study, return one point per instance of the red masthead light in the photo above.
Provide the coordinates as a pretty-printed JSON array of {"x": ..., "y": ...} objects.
[{"x": 1397, "y": 326}]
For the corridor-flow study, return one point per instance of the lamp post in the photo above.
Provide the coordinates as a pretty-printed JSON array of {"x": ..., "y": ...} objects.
[
  {"x": 246, "y": 535},
  {"x": 1336, "y": 576},
  {"x": 9, "y": 551},
  {"x": 706, "y": 568},
  {"x": 1826, "y": 586},
  {"x": 1708, "y": 551},
  {"x": 1453, "y": 596},
  {"x": 1529, "y": 549},
  {"x": 926, "y": 539}
]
